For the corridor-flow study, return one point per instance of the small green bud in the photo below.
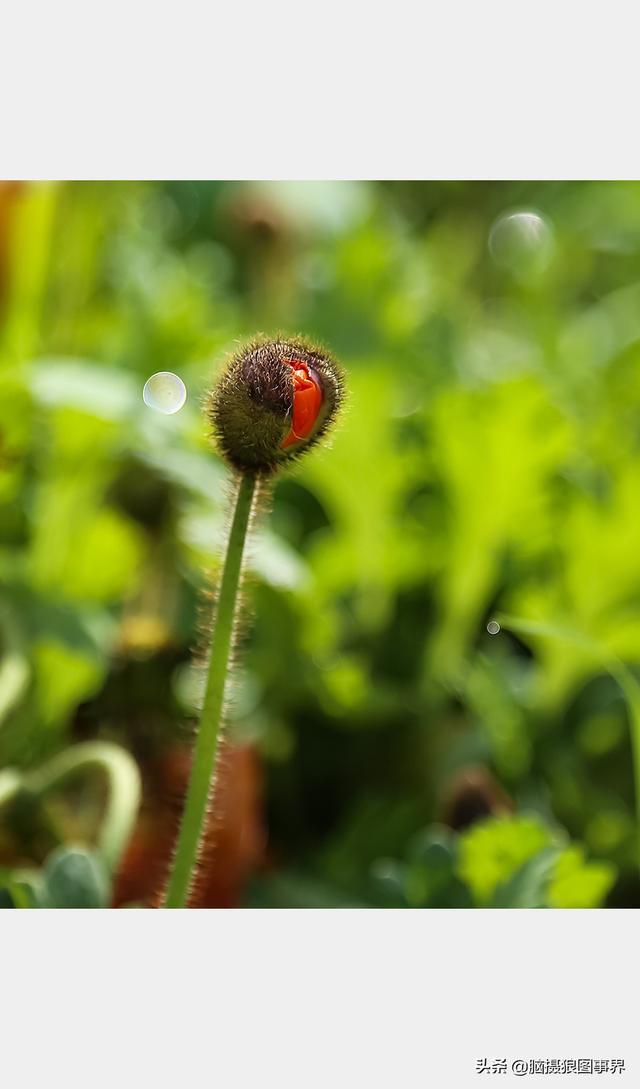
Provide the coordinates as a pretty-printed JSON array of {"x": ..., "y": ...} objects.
[{"x": 274, "y": 399}]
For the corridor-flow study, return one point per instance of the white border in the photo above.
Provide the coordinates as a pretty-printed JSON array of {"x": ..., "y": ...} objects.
[
  {"x": 338, "y": 90},
  {"x": 313, "y": 999}
]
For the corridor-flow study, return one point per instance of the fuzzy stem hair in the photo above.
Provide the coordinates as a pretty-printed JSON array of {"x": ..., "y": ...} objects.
[{"x": 203, "y": 769}]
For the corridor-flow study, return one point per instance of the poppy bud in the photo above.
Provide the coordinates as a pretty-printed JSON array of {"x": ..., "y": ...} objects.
[{"x": 275, "y": 398}]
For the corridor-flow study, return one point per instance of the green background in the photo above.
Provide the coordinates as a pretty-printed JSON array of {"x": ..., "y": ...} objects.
[{"x": 384, "y": 749}]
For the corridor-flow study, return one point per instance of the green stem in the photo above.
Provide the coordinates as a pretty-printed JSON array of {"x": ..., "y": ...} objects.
[{"x": 204, "y": 757}]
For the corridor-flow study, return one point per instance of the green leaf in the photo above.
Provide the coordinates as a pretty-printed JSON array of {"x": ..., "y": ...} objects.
[
  {"x": 493, "y": 851},
  {"x": 20, "y": 889},
  {"x": 527, "y": 888},
  {"x": 389, "y": 882},
  {"x": 580, "y": 884},
  {"x": 430, "y": 879},
  {"x": 75, "y": 878},
  {"x": 64, "y": 677},
  {"x": 75, "y": 383}
]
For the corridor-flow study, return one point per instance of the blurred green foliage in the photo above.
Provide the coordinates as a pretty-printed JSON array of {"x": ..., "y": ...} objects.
[{"x": 488, "y": 463}]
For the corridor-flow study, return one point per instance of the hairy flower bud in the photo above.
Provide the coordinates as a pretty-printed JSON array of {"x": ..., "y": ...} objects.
[{"x": 274, "y": 399}]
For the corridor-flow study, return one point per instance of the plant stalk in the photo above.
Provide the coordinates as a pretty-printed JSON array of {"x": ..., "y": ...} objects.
[{"x": 203, "y": 769}]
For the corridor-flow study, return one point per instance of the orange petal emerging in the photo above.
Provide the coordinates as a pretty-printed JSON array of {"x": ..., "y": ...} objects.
[{"x": 307, "y": 401}]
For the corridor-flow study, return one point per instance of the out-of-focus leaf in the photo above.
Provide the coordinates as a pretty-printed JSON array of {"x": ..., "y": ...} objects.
[
  {"x": 593, "y": 650},
  {"x": 527, "y": 888},
  {"x": 268, "y": 556},
  {"x": 300, "y": 891},
  {"x": 389, "y": 882},
  {"x": 431, "y": 879},
  {"x": 64, "y": 677},
  {"x": 493, "y": 851},
  {"x": 90, "y": 555},
  {"x": 97, "y": 390},
  {"x": 74, "y": 877},
  {"x": 20, "y": 889},
  {"x": 509, "y": 437},
  {"x": 577, "y": 883}
]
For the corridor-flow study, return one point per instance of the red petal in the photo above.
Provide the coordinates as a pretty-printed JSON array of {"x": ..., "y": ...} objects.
[{"x": 307, "y": 401}]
